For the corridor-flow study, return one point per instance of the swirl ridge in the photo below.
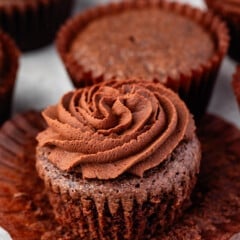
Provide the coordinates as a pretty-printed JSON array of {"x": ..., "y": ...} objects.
[{"x": 114, "y": 127}]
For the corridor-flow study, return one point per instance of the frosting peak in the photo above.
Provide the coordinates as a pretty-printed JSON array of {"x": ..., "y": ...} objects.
[{"x": 114, "y": 127}]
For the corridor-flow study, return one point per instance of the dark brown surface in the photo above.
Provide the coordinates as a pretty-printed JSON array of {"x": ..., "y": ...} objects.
[
  {"x": 34, "y": 23},
  {"x": 194, "y": 83},
  {"x": 215, "y": 214}
]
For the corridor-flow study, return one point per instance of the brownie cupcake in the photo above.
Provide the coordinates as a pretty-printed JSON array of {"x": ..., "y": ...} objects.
[
  {"x": 229, "y": 10},
  {"x": 33, "y": 23},
  {"x": 236, "y": 84},
  {"x": 9, "y": 56},
  {"x": 175, "y": 44},
  {"x": 24, "y": 208},
  {"x": 119, "y": 159}
]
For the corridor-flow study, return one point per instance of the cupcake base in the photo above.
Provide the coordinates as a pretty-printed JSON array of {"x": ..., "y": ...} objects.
[
  {"x": 216, "y": 205},
  {"x": 127, "y": 207}
]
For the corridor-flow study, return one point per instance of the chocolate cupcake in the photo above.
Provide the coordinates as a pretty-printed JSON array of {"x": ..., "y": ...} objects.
[
  {"x": 236, "y": 84},
  {"x": 24, "y": 208},
  {"x": 9, "y": 55},
  {"x": 33, "y": 23},
  {"x": 175, "y": 44},
  {"x": 229, "y": 10},
  {"x": 119, "y": 159}
]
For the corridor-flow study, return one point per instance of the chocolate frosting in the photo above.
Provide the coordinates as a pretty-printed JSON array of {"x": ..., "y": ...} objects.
[{"x": 114, "y": 127}]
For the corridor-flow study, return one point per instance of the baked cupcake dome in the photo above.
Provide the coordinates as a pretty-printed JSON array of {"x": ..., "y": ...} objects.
[
  {"x": 229, "y": 10},
  {"x": 119, "y": 159},
  {"x": 236, "y": 84},
  {"x": 130, "y": 39},
  {"x": 9, "y": 56},
  {"x": 33, "y": 23}
]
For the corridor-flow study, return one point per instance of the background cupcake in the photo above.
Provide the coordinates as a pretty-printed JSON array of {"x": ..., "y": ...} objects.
[
  {"x": 119, "y": 159},
  {"x": 229, "y": 10},
  {"x": 9, "y": 55},
  {"x": 33, "y": 23},
  {"x": 175, "y": 44}
]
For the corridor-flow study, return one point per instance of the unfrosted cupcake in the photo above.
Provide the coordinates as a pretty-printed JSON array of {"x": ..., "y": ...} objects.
[
  {"x": 33, "y": 23},
  {"x": 236, "y": 84},
  {"x": 229, "y": 10},
  {"x": 119, "y": 159},
  {"x": 9, "y": 56},
  {"x": 159, "y": 41}
]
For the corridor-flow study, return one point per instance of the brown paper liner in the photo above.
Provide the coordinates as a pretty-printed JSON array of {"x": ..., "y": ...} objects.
[
  {"x": 195, "y": 86},
  {"x": 34, "y": 24},
  {"x": 233, "y": 21},
  {"x": 8, "y": 75},
  {"x": 26, "y": 213},
  {"x": 236, "y": 84},
  {"x": 24, "y": 208}
]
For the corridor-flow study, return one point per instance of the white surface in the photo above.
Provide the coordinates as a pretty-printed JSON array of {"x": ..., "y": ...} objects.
[
  {"x": 4, "y": 235},
  {"x": 42, "y": 79}
]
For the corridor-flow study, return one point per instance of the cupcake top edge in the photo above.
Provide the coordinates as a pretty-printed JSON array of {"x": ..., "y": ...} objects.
[{"x": 135, "y": 37}]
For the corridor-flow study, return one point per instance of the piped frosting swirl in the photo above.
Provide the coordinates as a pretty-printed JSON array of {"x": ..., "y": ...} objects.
[{"x": 114, "y": 127}]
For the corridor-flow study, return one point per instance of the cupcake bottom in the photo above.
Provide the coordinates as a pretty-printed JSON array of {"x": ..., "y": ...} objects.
[{"x": 125, "y": 208}]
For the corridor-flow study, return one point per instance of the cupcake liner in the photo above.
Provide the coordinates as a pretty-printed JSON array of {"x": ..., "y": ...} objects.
[
  {"x": 27, "y": 214},
  {"x": 135, "y": 208},
  {"x": 236, "y": 84},
  {"x": 24, "y": 209},
  {"x": 194, "y": 86},
  {"x": 34, "y": 24},
  {"x": 8, "y": 75},
  {"x": 233, "y": 22}
]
